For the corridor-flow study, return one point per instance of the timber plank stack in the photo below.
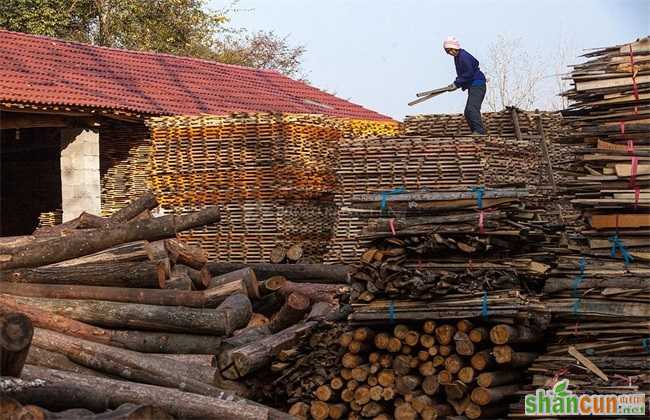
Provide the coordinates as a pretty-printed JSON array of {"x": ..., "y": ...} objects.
[
  {"x": 272, "y": 174},
  {"x": 423, "y": 370},
  {"x": 119, "y": 314},
  {"x": 436, "y": 153},
  {"x": 598, "y": 293}
]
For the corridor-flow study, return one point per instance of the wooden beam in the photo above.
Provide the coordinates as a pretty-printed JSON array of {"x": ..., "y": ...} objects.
[{"x": 10, "y": 120}]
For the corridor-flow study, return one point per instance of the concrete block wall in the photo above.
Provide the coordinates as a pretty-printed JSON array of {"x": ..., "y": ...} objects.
[{"x": 80, "y": 178}]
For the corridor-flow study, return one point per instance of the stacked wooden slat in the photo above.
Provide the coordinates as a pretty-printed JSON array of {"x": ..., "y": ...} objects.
[
  {"x": 424, "y": 370},
  {"x": 597, "y": 297},
  {"x": 50, "y": 218},
  {"x": 498, "y": 124},
  {"x": 125, "y": 152},
  {"x": 437, "y": 154},
  {"x": 409, "y": 163},
  {"x": 124, "y": 312},
  {"x": 272, "y": 174}
]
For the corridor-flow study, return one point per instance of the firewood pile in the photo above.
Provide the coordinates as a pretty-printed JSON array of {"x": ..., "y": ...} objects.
[
  {"x": 431, "y": 244},
  {"x": 121, "y": 315},
  {"x": 274, "y": 179},
  {"x": 423, "y": 370}
]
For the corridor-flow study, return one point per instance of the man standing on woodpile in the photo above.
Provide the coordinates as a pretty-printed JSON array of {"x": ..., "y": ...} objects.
[{"x": 468, "y": 77}]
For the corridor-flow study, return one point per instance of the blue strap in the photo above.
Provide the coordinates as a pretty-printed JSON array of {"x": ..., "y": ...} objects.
[
  {"x": 484, "y": 306},
  {"x": 479, "y": 191},
  {"x": 646, "y": 345},
  {"x": 583, "y": 264},
  {"x": 385, "y": 194},
  {"x": 617, "y": 244},
  {"x": 391, "y": 311}
]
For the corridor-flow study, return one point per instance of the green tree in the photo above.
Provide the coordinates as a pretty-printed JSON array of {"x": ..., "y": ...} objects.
[{"x": 182, "y": 27}]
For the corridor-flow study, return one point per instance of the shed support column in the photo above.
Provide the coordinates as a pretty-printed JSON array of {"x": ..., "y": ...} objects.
[{"x": 80, "y": 178}]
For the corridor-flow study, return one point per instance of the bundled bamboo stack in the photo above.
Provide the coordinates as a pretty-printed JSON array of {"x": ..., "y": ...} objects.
[
  {"x": 274, "y": 177},
  {"x": 424, "y": 370},
  {"x": 122, "y": 297}
]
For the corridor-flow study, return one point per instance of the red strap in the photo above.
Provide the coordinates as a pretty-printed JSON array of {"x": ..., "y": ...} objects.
[
  {"x": 630, "y": 146},
  {"x": 622, "y": 126}
]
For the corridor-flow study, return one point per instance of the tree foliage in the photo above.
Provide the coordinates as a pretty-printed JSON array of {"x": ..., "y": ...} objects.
[{"x": 182, "y": 27}]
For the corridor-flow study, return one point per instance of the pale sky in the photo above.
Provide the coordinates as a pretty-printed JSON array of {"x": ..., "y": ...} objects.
[{"x": 379, "y": 53}]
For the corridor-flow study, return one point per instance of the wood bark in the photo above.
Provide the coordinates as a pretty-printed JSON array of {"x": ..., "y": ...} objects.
[
  {"x": 245, "y": 276},
  {"x": 53, "y": 360},
  {"x": 143, "y": 341},
  {"x": 313, "y": 273},
  {"x": 315, "y": 292},
  {"x": 485, "y": 396},
  {"x": 294, "y": 309},
  {"x": 67, "y": 390},
  {"x": 233, "y": 313},
  {"x": 517, "y": 334},
  {"x": 125, "y": 363},
  {"x": 209, "y": 298},
  {"x": 128, "y": 252},
  {"x": 85, "y": 243},
  {"x": 146, "y": 201},
  {"x": 182, "y": 253},
  {"x": 179, "y": 279},
  {"x": 243, "y": 360},
  {"x": 16, "y": 331},
  {"x": 122, "y": 274}
]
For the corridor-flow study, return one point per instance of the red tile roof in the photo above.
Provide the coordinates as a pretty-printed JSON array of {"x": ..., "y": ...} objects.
[{"x": 42, "y": 70}]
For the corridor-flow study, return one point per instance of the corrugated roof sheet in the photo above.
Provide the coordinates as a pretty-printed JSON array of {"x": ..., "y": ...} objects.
[{"x": 42, "y": 70}]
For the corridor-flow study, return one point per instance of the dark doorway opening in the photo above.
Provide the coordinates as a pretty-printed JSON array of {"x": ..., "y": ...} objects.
[{"x": 30, "y": 178}]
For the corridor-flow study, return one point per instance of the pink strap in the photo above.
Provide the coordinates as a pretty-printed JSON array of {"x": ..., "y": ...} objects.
[
  {"x": 635, "y": 166},
  {"x": 621, "y": 125},
  {"x": 391, "y": 224},
  {"x": 481, "y": 220},
  {"x": 630, "y": 146},
  {"x": 637, "y": 195}
]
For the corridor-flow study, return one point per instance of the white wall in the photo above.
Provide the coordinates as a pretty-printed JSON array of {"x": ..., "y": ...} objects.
[{"x": 80, "y": 182}]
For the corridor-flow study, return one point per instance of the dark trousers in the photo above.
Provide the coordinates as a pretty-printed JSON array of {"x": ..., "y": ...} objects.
[{"x": 473, "y": 108}]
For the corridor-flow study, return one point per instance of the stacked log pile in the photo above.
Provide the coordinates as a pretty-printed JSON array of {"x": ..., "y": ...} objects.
[
  {"x": 122, "y": 300},
  {"x": 274, "y": 179},
  {"x": 423, "y": 370}
]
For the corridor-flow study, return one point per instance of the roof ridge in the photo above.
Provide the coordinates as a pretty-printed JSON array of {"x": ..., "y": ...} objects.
[{"x": 139, "y": 52}]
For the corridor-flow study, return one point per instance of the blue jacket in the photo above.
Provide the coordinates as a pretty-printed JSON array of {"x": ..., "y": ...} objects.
[{"x": 467, "y": 71}]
